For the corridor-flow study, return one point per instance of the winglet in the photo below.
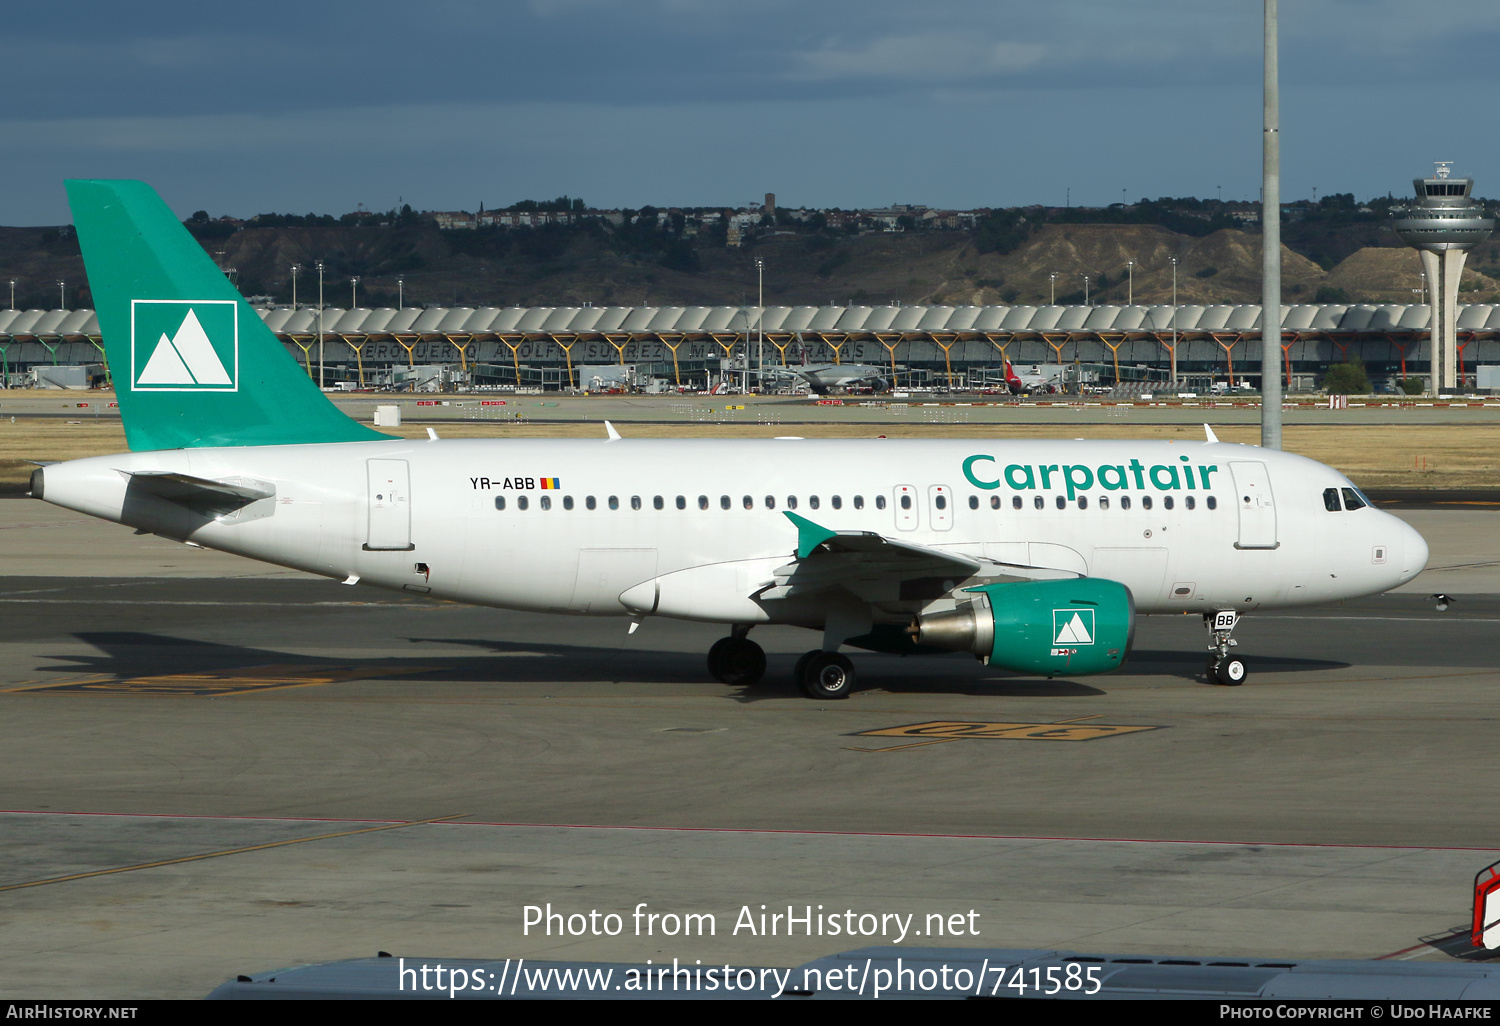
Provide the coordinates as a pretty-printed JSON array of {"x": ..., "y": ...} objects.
[
  {"x": 614, "y": 436},
  {"x": 1210, "y": 432},
  {"x": 809, "y": 534}
]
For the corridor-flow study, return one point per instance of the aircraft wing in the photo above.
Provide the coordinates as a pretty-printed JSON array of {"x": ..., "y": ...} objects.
[{"x": 862, "y": 560}]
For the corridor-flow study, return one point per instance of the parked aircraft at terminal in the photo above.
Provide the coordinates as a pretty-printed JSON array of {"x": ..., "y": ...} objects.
[{"x": 1035, "y": 556}]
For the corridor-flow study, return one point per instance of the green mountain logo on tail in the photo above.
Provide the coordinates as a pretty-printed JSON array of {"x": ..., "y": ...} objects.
[{"x": 184, "y": 345}]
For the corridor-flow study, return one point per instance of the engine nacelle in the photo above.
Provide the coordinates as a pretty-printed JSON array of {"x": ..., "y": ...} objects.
[{"x": 1049, "y": 627}]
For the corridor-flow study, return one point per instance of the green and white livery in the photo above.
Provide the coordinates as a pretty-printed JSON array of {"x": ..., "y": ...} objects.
[{"x": 1034, "y": 556}]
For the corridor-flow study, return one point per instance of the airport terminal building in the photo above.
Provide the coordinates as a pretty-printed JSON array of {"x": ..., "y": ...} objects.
[{"x": 694, "y": 347}]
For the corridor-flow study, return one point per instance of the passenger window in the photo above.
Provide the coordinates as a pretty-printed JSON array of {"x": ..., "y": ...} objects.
[
  {"x": 1331, "y": 500},
  {"x": 567, "y": 502},
  {"x": 1352, "y": 499},
  {"x": 614, "y": 502},
  {"x": 589, "y": 502},
  {"x": 1104, "y": 502},
  {"x": 682, "y": 502},
  {"x": 1145, "y": 502},
  {"x": 499, "y": 502},
  {"x": 1039, "y": 502},
  {"x": 812, "y": 502},
  {"x": 880, "y": 502},
  {"x": 906, "y": 502},
  {"x": 1124, "y": 502},
  {"x": 1212, "y": 502},
  {"x": 546, "y": 502},
  {"x": 836, "y": 502},
  {"x": 770, "y": 502},
  {"x": 791, "y": 502},
  {"x": 748, "y": 502},
  {"x": 1062, "y": 503},
  {"x": 859, "y": 502},
  {"x": 1015, "y": 501},
  {"x": 657, "y": 502},
  {"x": 635, "y": 502},
  {"x": 723, "y": 502},
  {"x": 973, "y": 502},
  {"x": 994, "y": 502},
  {"x": 1083, "y": 502},
  {"x": 521, "y": 502},
  {"x": 1192, "y": 503},
  {"x": 703, "y": 502},
  {"x": 941, "y": 502},
  {"x": 1166, "y": 502}
]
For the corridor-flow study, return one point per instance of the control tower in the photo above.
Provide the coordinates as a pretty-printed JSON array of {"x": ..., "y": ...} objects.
[{"x": 1443, "y": 225}]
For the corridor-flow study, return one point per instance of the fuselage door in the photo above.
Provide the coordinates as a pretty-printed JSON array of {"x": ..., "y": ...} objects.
[
  {"x": 1252, "y": 493},
  {"x": 390, "y": 506},
  {"x": 940, "y": 507},
  {"x": 904, "y": 499}
]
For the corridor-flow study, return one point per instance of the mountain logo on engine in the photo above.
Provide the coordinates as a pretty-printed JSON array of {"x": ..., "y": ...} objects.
[{"x": 1072, "y": 626}]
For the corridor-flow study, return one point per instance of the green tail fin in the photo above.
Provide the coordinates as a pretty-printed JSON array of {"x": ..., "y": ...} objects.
[{"x": 192, "y": 363}]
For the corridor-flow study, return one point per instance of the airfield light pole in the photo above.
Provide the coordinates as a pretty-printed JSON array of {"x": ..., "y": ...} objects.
[
  {"x": 1053, "y": 278},
  {"x": 13, "y": 293},
  {"x": 353, "y": 293},
  {"x": 320, "y": 325},
  {"x": 62, "y": 294},
  {"x": 1270, "y": 219},
  {"x": 1174, "y": 322},
  {"x": 1085, "y": 290},
  {"x": 400, "y": 293},
  {"x": 760, "y": 323},
  {"x": 295, "y": 269},
  {"x": 1130, "y": 289}
]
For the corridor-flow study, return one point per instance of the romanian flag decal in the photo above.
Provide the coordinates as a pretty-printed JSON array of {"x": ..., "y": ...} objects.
[{"x": 550, "y": 484}]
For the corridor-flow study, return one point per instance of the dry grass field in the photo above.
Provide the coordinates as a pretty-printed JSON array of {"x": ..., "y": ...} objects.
[{"x": 1437, "y": 457}]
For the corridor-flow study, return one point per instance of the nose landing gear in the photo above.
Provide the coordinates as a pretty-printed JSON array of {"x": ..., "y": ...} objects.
[{"x": 1223, "y": 668}]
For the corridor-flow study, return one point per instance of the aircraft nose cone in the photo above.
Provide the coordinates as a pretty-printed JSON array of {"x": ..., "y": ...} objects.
[{"x": 1413, "y": 552}]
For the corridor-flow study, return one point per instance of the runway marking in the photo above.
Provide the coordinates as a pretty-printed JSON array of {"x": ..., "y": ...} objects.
[
  {"x": 226, "y": 851},
  {"x": 235, "y": 681},
  {"x": 938, "y": 732}
]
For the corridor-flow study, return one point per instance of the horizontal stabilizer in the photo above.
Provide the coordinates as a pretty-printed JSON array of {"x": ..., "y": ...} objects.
[{"x": 197, "y": 493}]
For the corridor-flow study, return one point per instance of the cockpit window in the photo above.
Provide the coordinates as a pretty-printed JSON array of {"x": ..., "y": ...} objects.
[
  {"x": 1353, "y": 500},
  {"x": 1331, "y": 500}
]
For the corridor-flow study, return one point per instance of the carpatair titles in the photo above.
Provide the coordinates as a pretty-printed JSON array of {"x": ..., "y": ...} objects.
[{"x": 985, "y": 472}]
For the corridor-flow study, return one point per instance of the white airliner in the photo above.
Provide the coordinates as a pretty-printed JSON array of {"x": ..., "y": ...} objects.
[{"x": 1034, "y": 556}]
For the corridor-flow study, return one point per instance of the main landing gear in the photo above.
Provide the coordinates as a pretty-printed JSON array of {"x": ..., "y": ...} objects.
[
  {"x": 1223, "y": 668},
  {"x": 736, "y": 660},
  {"x": 824, "y": 675}
]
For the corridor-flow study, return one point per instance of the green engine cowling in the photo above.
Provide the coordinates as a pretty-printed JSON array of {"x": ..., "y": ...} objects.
[{"x": 1072, "y": 627}]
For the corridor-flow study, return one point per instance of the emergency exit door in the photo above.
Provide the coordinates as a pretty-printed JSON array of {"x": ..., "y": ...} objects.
[{"x": 390, "y": 506}]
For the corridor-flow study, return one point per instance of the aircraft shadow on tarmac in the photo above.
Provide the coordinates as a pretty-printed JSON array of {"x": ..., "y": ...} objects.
[{"x": 132, "y": 654}]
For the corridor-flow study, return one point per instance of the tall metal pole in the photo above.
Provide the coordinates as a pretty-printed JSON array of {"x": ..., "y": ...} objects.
[
  {"x": 295, "y": 269},
  {"x": 1130, "y": 293},
  {"x": 320, "y": 325},
  {"x": 1270, "y": 265},
  {"x": 1174, "y": 322},
  {"x": 760, "y": 323}
]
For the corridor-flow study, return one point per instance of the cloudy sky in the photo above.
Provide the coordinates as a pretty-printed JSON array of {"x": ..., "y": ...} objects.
[{"x": 319, "y": 105}]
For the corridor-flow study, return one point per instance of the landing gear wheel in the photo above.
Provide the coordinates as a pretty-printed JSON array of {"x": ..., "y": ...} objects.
[
  {"x": 1231, "y": 672},
  {"x": 800, "y": 666},
  {"x": 738, "y": 662},
  {"x": 1211, "y": 671},
  {"x": 826, "y": 675}
]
